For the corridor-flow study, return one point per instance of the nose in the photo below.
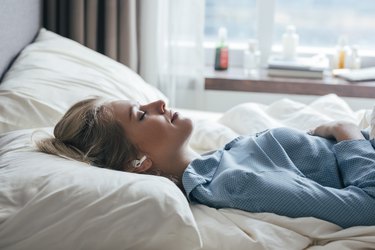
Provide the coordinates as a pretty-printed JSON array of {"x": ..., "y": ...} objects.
[{"x": 157, "y": 106}]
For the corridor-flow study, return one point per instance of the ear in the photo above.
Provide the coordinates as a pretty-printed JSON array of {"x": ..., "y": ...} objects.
[{"x": 144, "y": 167}]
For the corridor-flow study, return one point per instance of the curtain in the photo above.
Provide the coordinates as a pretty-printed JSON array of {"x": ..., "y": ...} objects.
[
  {"x": 181, "y": 55},
  {"x": 107, "y": 26},
  {"x": 161, "y": 40}
]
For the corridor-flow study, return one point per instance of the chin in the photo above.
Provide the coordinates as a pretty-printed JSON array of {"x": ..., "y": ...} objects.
[
  {"x": 187, "y": 127},
  {"x": 189, "y": 123}
]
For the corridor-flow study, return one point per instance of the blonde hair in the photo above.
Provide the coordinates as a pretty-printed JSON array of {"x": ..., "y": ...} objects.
[{"x": 89, "y": 132}]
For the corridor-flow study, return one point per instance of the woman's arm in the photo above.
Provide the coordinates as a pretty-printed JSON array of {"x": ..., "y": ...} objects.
[{"x": 338, "y": 130}]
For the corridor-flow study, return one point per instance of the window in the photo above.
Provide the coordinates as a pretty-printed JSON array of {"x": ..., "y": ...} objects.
[
  {"x": 238, "y": 16},
  {"x": 319, "y": 23}
]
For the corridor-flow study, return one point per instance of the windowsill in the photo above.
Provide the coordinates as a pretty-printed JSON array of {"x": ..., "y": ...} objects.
[{"x": 234, "y": 79}]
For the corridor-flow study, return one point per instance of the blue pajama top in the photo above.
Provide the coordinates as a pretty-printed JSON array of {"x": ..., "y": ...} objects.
[{"x": 288, "y": 172}]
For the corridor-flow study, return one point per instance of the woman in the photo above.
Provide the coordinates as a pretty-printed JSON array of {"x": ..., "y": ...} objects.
[{"x": 328, "y": 173}]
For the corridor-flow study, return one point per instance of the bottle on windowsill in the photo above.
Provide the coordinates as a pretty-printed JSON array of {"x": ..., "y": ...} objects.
[
  {"x": 221, "y": 51},
  {"x": 342, "y": 55},
  {"x": 290, "y": 43},
  {"x": 355, "y": 59},
  {"x": 251, "y": 58}
]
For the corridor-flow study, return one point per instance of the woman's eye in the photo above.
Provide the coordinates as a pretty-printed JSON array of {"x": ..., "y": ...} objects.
[{"x": 142, "y": 116}]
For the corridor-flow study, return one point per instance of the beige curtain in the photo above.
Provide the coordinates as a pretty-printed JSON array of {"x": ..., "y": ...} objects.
[{"x": 110, "y": 27}]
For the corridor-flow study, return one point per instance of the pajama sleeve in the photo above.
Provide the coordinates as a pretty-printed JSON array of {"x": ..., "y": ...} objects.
[{"x": 356, "y": 161}]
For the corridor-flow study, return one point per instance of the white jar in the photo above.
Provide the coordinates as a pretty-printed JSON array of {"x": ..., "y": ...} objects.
[{"x": 290, "y": 42}]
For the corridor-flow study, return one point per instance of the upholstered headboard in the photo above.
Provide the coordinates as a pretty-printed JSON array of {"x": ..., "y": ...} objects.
[{"x": 20, "y": 21}]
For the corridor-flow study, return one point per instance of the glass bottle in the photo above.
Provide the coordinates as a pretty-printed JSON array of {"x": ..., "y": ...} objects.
[
  {"x": 251, "y": 58},
  {"x": 221, "y": 51}
]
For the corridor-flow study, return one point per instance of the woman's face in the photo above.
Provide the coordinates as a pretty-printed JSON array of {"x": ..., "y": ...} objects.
[{"x": 157, "y": 131}]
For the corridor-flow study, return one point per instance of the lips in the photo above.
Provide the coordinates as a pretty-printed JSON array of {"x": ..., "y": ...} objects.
[{"x": 174, "y": 116}]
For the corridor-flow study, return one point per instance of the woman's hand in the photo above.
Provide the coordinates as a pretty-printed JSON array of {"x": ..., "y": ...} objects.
[{"x": 338, "y": 130}]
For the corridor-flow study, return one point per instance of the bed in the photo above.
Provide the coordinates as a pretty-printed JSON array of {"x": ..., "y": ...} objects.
[{"x": 47, "y": 202}]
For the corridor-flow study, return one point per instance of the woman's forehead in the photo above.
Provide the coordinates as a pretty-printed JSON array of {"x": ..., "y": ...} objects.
[
  {"x": 122, "y": 102},
  {"x": 123, "y": 108}
]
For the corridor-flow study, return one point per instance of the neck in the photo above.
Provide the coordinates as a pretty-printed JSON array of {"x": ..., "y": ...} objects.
[{"x": 180, "y": 161}]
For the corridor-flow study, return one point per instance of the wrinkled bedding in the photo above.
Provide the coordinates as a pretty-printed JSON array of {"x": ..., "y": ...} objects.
[
  {"x": 213, "y": 130},
  {"x": 124, "y": 205}
]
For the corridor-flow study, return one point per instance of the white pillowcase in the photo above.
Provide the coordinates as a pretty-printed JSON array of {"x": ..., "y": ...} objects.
[
  {"x": 47, "y": 202},
  {"x": 53, "y": 73}
]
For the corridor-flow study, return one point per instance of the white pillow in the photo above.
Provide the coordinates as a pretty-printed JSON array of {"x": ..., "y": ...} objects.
[
  {"x": 47, "y": 202},
  {"x": 54, "y": 72}
]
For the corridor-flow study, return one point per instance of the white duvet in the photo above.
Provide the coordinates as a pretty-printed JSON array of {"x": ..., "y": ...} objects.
[{"x": 214, "y": 130}]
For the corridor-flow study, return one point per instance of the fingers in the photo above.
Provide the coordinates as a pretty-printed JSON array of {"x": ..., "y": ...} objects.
[
  {"x": 339, "y": 130},
  {"x": 310, "y": 131}
]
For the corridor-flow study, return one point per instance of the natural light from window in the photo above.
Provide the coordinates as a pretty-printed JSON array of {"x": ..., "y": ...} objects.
[
  {"x": 238, "y": 16},
  {"x": 319, "y": 23}
]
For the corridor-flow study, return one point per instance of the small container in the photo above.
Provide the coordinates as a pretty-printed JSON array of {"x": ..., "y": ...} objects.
[
  {"x": 290, "y": 42},
  {"x": 342, "y": 55},
  {"x": 355, "y": 59},
  {"x": 221, "y": 51},
  {"x": 251, "y": 58}
]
